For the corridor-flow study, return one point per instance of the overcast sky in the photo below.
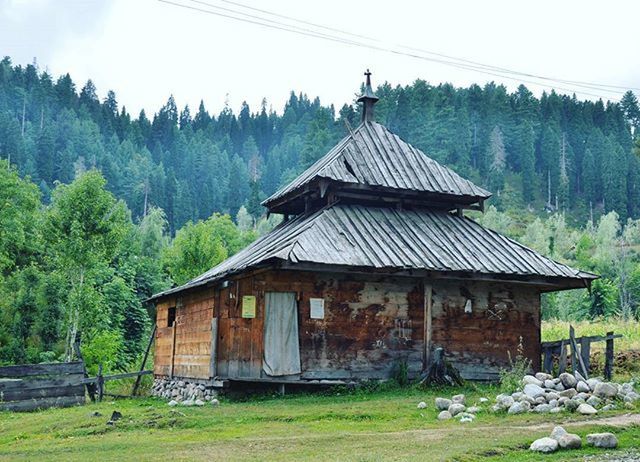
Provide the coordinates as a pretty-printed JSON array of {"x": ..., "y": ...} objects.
[{"x": 146, "y": 50}]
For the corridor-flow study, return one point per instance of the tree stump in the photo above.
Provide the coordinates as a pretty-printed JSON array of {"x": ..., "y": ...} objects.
[{"x": 441, "y": 372}]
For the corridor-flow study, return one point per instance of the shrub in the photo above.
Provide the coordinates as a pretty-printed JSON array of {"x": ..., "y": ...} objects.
[{"x": 511, "y": 378}]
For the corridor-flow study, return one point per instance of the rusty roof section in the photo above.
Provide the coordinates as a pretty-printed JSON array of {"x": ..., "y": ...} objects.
[
  {"x": 373, "y": 156},
  {"x": 392, "y": 239}
]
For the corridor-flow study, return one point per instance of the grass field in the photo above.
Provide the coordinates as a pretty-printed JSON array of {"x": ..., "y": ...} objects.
[
  {"x": 347, "y": 426},
  {"x": 630, "y": 330}
]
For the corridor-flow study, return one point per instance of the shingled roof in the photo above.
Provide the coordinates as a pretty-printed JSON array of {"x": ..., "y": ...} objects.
[
  {"x": 373, "y": 156},
  {"x": 390, "y": 239}
]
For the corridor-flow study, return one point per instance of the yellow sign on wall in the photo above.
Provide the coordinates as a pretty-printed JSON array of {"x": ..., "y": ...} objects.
[{"x": 249, "y": 306}]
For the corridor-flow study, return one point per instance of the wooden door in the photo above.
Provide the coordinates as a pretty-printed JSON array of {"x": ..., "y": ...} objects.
[{"x": 281, "y": 343}]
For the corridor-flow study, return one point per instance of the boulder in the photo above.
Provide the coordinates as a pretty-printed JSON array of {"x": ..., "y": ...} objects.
[
  {"x": 562, "y": 400},
  {"x": 557, "y": 432},
  {"x": 552, "y": 395},
  {"x": 484, "y": 400},
  {"x": 422, "y": 405},
  {"x": 569, "y": 393},
  {"x": 528, "y": 399},
  {"x": 504, "y": 401},
  {"x": 466, "y": 419},
  {"x": 626, "y": 388},
  {"x": 442, "y": 404},
  {"x": 609, "y": 407},
  {"x": 605, "y": 390},
  {"x": 215, "y": 402},
  {"x": 173, "y": 403},
  {"x": 519, "y": 408},
  {"x": 559, "y": 386},
  {"x": 542, "y": 408},
  {"x": 571, "y": 405},
  {"x": 568, "y": 380},
  {"x": 444, "y": 415},
  {"x": 631, "y": 397},
  {"x": 583, "y": 396},
  {"x": 553, "y": 403},
  {"x": 199, "y": 402},
  {"x": 517, "y": 396},
  {"x": 602, "y": 440},
  {"x": 527, "y": 379},
  {"x": 582, "y": 386},
  {"x": 555, "y": 410},
  {"x": 544, "y": 445},
  {"x": 458, "y": 399},
  {"x": 593, "y": 382},
  {"x": 594, "y": 401},
  {"x": 474, "y": 409},
  {"x": 532, "y": 390},
  {"x": 570, "y": 441},
  {"x": 540, "y": 400},
  {"x": 549, "y": 384},
  {"x": 542, "y": 376},
  {"x": 456, "y": 408},
  {"x": 586, "y": 409}
]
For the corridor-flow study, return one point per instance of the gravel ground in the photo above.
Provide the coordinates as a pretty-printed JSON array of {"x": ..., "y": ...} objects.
[{"x": 627, "y": 456}]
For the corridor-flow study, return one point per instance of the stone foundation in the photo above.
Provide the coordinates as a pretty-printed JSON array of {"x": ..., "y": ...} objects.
[{"x": 182, "y": 390}]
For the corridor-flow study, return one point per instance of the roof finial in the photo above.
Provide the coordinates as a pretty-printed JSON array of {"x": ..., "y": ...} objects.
[{"x": 368, "y": 99}]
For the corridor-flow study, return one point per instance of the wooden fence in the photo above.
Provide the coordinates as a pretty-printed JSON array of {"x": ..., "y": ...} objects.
[
  {"x": 579, "y": 350},
  {"x": 39, "y": 386}
]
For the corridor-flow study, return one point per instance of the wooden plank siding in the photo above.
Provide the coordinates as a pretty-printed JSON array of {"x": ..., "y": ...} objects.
[
  {"x": 190, "y": 356},
  {"x": 371, "y": 324}
]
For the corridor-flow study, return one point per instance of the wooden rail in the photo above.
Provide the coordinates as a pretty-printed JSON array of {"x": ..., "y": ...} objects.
[
  {"x": 27, "y": 387},
  {"x": 580, "y": 351}
]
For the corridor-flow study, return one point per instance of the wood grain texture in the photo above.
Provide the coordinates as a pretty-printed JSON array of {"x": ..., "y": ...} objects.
[{"x": 371, "y": 324}]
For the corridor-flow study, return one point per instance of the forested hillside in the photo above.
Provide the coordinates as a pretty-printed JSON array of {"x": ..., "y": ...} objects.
[
  {"x": 545, "y": 153},
  {"x": 99, "y": 210}
]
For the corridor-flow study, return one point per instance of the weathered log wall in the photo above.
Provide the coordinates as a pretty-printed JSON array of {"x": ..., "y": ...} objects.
[
  {"x": 371, "y": 324},
  {"x": 184, "y": 348},
  {"x": 479, "y": 343},
  {"x": 27, "y": 387}
]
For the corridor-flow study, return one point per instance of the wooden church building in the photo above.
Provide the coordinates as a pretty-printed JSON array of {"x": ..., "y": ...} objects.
[{"x": 374, "y": 265}]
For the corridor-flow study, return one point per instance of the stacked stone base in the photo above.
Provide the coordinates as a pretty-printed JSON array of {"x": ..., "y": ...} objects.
[{"x": 183, "y": 390}]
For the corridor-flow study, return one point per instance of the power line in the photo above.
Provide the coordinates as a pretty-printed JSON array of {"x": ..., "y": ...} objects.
[
  {"x": 422, "y": 50},
  {"x": 265, "y": 22}
]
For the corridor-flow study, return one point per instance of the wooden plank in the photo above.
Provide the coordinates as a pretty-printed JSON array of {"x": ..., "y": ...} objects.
[
  {"x": 173, "y": 349},
  {"x": 213, "y": 365},
  {"x": 28, "y": 370},
  {"x": 562, "y": 365},
  {"x": 548, "y": 360},
  {"x": 608, "y": 357},
  {"x": 144, "y": 360},
  {"x": 585, "y": 352},
  {"x": 428, "y": 323},
  {"x": 32, "y": 383},
  {"x": 43, "y": 403},
  {"x": 124, "y": 375},
  {"x": 43, "y": 392},
  {"x": 592, "y": 338},
  {"x": 577, "y": 356}
]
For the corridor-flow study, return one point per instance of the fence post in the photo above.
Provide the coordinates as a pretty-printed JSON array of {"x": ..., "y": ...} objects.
[
  {"x": 144, "y": 360},
  {"x": 91, "y": 389},
  {"x": 585, "y": 352},
  {"x": 562, "y": 362},
  {"x": 608, "y": 357},
  {"x": 100, "y": 383}
]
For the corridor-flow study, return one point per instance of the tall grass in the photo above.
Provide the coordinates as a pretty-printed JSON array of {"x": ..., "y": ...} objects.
[{"x": 554, "y": 329}]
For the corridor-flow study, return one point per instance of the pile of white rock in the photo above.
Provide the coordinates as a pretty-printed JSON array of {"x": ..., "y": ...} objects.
[
  {"x": 561, "y": 439},
  {"x": 544, "y": 393},
  {"x": 455, "y": 408},
  {"x": 183, "y": 392}
]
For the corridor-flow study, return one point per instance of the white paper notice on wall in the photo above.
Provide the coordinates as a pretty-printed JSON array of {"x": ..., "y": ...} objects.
[{"x": 317, "y": 308}]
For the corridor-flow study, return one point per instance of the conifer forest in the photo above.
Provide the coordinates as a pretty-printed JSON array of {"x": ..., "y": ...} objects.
[{"x": 101, "y": 208}]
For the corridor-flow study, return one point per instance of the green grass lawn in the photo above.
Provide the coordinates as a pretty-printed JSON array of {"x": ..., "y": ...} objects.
[{"x": 347, "y": 426}]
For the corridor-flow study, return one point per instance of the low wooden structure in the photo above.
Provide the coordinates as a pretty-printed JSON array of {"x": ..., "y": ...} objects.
[
  {"x": 375, "y": 265},
  {"x": 28, "y": 387},
  {"x": 579, "y": 350}
]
